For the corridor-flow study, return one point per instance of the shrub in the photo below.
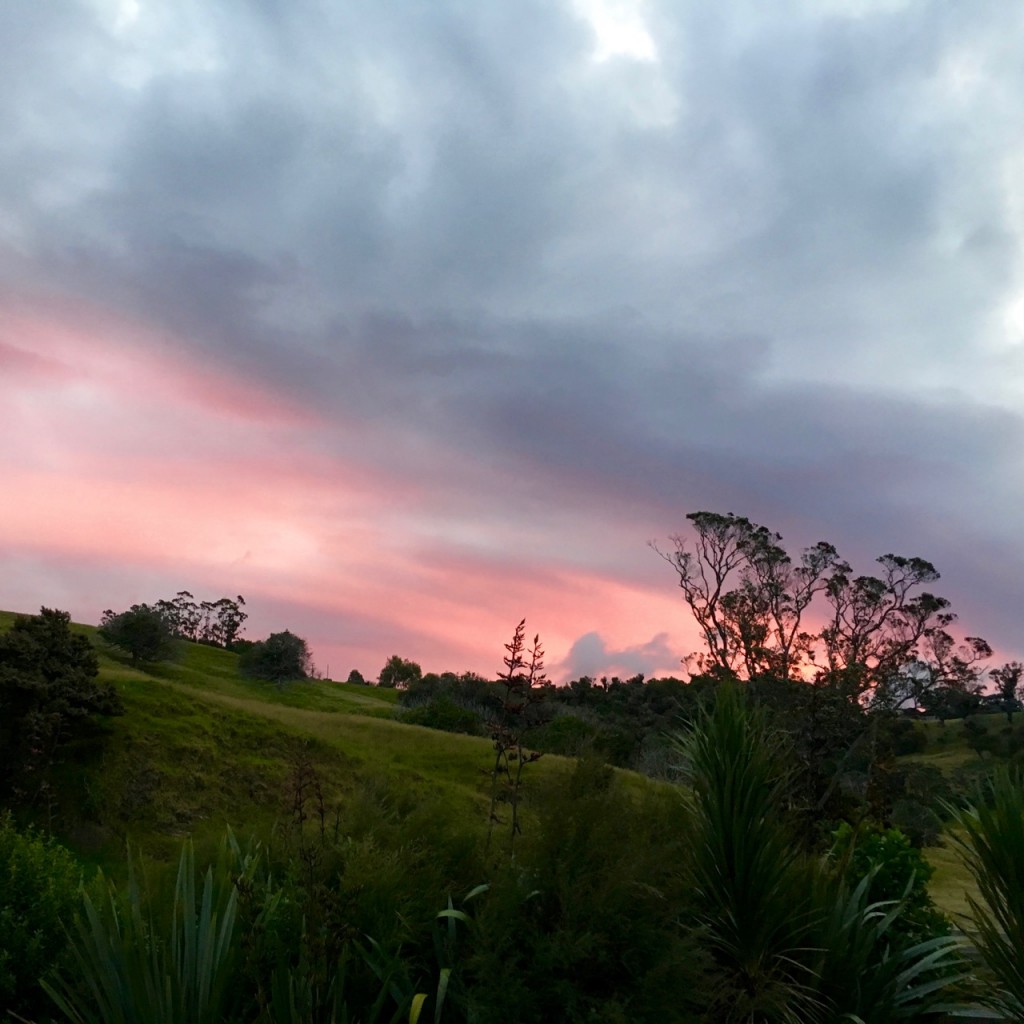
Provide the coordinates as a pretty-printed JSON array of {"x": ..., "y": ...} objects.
[
  {"x": 897, "y": 873},
  {"x": 144, "y": 632},
  {"x": 38, "y": 896},
  {"x": 443, "y": 713}
]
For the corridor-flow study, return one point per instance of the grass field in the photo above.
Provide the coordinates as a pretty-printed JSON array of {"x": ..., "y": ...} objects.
[{"x": 200, "y": 748}]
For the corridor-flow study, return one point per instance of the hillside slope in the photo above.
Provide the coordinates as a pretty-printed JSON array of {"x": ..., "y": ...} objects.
[{"x": 200, "y": 748}]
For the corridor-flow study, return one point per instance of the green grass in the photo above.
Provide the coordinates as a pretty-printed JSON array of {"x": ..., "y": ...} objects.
[
  {"x": 200, "y": 748},
  {"x": 948, "y": 750}
]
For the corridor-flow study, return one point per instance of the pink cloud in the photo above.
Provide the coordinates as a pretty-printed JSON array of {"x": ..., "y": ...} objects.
[{"x": 160, "y": 473}]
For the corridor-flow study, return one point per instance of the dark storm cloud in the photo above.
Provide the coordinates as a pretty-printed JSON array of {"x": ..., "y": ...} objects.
[{"x": 759, "y": 273}]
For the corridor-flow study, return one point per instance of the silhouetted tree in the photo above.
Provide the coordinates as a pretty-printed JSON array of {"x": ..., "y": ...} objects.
[
  {"x": 1008, "y": 687},
  {"x": 398, "y": 673},
  {"x": 752, "y": 601},
  {"x": 143, "y": 631},
  {"x": 280, "y": 658}
]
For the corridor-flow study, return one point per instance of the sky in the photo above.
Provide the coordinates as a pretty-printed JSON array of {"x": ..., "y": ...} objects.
[{"x": 408, "y": 320}]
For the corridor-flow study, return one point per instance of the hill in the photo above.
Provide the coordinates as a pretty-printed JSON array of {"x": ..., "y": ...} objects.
[{"x": 201, "y": 747}]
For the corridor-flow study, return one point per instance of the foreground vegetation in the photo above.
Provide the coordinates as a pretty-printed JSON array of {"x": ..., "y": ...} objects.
[{"x": 192, "y": 835}]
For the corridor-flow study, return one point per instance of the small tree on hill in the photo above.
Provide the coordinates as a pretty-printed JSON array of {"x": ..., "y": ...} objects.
[
  {"x": 1008, "y": 687},
  {"x": 398, "y": 673},
  {"x": 280, "y": 658},
  {"x": 143, "y": 631}
]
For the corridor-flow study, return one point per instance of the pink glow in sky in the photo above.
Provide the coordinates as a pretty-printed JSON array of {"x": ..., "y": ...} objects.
[
  {"x": 408, "y": 321},
  {"x": 166, "y": 476}
]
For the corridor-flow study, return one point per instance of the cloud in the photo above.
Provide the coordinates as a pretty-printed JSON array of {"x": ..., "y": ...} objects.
[
  {"x": 439, "y": 317},
  {"x": 590, "y": 656}
]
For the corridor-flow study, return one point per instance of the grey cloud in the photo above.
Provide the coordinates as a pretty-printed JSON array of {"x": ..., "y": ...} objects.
[{"x": 759, "y": 274}]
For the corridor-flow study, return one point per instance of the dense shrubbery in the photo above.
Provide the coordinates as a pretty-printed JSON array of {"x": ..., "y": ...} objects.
[
  {"x": 39, "y": 892},
  {"x": 622, "y": 903},
  {"x": 49, "y": 696}
]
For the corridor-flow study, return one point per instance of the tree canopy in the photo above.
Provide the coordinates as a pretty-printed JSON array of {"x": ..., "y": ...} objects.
[
  {"x": 399, "y": 673},
  {"x": 280, "y": 658},
  {"x": 880, "y": 639},
  {"x": 143, "y": 631},
  {"x": 48, "y": 695}
]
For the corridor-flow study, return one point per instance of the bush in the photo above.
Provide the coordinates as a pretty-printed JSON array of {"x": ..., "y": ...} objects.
[
  {"x": 38, "y": 898},
  {"x": 443, "y": 713},
  {"x": 48, "y": 696},
  {"x": 898, "y": 873},
  {"x": 586, "y": 918},
  {"x": 280, "y": 658},
  {"x": 143, "y": 631}
]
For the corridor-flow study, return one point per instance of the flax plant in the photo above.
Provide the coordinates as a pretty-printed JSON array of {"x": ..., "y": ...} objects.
[
  {"x": 752, "y": 890},
  {"x": 991, "y": 842},
  {"x": 127, "y": 969},
  {"x": 790, "y": 943}
]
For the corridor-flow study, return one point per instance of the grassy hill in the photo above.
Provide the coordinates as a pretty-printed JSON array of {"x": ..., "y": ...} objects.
[{"x": 200, "y": 747}]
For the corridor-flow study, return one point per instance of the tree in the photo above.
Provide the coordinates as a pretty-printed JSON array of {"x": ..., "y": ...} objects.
[
  {"x": 746, "y": 594},
  {"x": 356, "y": 677},
  {"x": 218, "y": 623},
  {"x": 398, "y": 673},
  {"x": 1008, "y": 687},
  {"x": 183, "y": 615},
  {"x": 143, "y": 631},
  {"x": 280, "y": 658},
  {"x": 48, "y": 696},
  {"x": 752, "y": 602}
]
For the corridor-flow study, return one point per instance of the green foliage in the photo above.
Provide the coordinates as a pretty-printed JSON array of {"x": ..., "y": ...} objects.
[
  {"x": 444, "y": 713},
  {"x": 280, "y": 658},
  {"x": 231, "y": 944},
  {"x": 38, "y": 897},
  {"x": 896, "y": 873},
  {"x": 991, "y": 842},
  {"x": 355, "y": 678},
  {"x": 129, "y": 965},
  {"x": 586, "y": 919},
  {"x": 48, "y": 696},
  {"x": 398, "y": 673},
  {"x": 866, "y": 967},
  {"x": 143, "y": 631},
  {"x": 788, "y": 941},
  {"x": 753, "y": 894}
]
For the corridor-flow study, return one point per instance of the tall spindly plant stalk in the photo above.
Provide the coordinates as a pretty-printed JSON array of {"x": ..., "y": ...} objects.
[{"x": 521, "y": 684}]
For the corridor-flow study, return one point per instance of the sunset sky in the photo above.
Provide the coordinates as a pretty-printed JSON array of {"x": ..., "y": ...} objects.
[{"x": 406, "y": 320}]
